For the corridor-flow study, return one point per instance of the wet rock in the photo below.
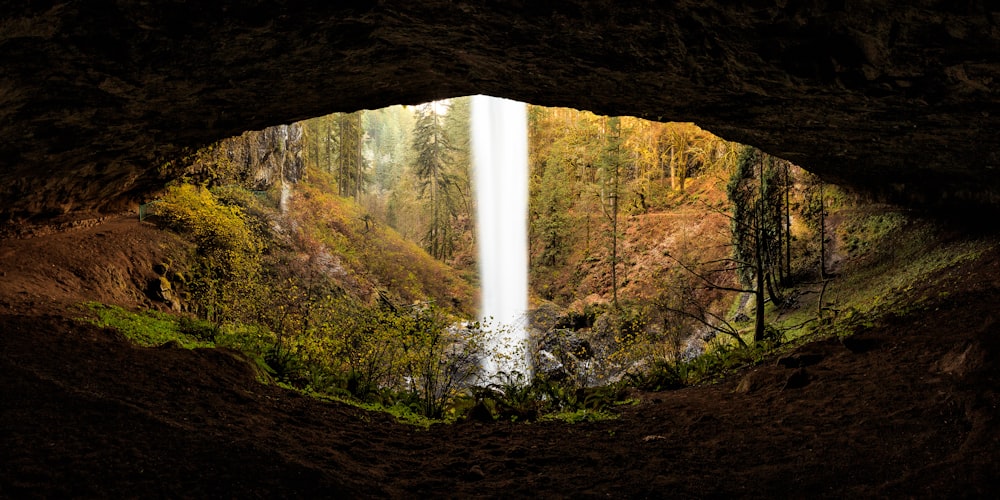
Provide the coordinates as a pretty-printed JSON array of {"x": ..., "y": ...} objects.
[
  {"x": 962, "y": 360},
  {"x": 549, "y": 366},
  {"x": 170, "y": 344},
  {"x": 562, "y": 342},
  {"x": 544, "y": 317},
  {"x": 161, "y": 290}
]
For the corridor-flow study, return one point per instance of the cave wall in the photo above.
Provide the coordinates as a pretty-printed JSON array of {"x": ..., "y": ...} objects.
[{"x": 99, "y": 99}]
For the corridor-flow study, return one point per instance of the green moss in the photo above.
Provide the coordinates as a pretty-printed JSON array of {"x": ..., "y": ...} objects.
[
  {"x": 861, "y": 234},
  {"x": 403, "y": 413},
  {"x": 893, "y": 270},
  {"x": 581, "y": 415},
  {"x": 147, "y": 329}
]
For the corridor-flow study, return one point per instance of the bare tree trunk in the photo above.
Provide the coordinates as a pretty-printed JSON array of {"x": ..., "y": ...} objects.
[
  {"x": 788, "y": 223},
  {"x": 759, "y": 249},
  {"x": 673, "y": 167},
  {"x": 614, "y": 244},
  {"x": 329, "y": 144},
  {"x": 772, "y": 290},
  {"x": 357, "y": 153},
  {"x": 342, "y": 157},
  {"x": 682, "y": 171},
  {"x": 758, "y": 330},
  {"x": 780, "y": 258},
  {"x": 822, "y": 234}
]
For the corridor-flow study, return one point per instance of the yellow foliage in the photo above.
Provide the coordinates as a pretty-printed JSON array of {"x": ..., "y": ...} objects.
[
  {"x": 226, "y": 277},
  {"x": 194, "y": 210},
  {"x": 373, "y": 253}
]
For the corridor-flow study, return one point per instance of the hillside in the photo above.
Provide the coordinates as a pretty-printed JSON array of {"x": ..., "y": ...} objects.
[
  {"x": 367, "y": 256},
  {"x": 896, "y": 395},
  {"x": 691, "y": 224}
]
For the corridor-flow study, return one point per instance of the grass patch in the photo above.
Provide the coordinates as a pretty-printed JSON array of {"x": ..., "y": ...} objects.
[
  {"x": 887, "y": 278},
  {"x": 862, "y": 234},
  {"x": 403, "y": 413},
  {"x": 893, "y": 259},
  {"x": 153, "y": 328},
  {"x": 147, "y": 329},
  {"x": 577, "y": 416}
]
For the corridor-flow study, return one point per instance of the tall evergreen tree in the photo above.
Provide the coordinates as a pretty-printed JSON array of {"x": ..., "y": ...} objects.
[
  {"x": 610, "y": 168},
  {"x": 550, "y": 220},
  {"x": 389, "y": 132},
  {"x": 755, "y": 193},
  {"x": 351, "y": 171},
  {"x": 320, "y": 137},
  {"x": 458, "y": 129},
  {"x": 436, "y": 182}
]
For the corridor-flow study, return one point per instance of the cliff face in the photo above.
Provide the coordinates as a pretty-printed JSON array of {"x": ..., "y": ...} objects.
[
  {"x": 257, "y": 159},
  {"x": 97, "y": 98}
]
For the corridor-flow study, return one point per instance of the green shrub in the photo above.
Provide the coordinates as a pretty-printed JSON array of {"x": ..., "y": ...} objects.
[
  {"x": 510, "y": 397},
  {"x": 225, "y": 281},
  {"x": 513, "y": 398},
  {"x": 581, "y": 415},
  {"x": 147, "y": 329},
  {"x": 664, "y": 375},
  {"x": 198, "y": 328},
  {"x": 288, "y": 367}
]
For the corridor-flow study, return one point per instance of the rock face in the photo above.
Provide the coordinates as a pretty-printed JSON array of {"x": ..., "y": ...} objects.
[
  {"x": 98, "y": 99},
  {"x": 258, "y": 159}
]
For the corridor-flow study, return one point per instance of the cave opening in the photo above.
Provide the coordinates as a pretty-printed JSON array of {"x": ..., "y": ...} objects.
[{"x": 591, "y": 178}]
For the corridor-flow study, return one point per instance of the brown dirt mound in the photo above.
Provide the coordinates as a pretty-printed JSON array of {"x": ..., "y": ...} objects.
[
  {"x": 110, "y": 261},
  {"x": 907, "y": 408}
]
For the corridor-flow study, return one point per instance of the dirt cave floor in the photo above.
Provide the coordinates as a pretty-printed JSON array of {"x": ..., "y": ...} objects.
[{"x": 907, "y": 408}]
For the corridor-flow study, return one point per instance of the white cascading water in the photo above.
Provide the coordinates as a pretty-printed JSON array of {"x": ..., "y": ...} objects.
[
  {"x": 286, "y": 195},
  {"x": 500, "y": 160}
]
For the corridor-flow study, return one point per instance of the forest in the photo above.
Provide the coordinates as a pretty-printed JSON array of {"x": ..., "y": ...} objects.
[{"x": 340, "y": 254}]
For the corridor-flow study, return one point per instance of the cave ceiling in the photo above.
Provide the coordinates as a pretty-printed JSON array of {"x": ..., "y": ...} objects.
[{"x": 97, "y": 98}]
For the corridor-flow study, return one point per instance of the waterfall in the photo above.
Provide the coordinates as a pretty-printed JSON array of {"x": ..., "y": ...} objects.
[
  {"x": 500, "y": 159},
  {"x": 286, "y": 194}
]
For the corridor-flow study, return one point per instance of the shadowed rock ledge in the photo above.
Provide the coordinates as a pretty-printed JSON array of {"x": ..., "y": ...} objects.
[{"x": 898, "y": 98}]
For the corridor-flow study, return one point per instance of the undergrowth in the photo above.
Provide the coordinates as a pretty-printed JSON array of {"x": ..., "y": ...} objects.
[
  {"x": 888, "y": 278},
  {"x": 890, "y": 264},
  {"x": 510, "y": 398},
  {"x": 312, "y": 338},
  {"x": 714, "y": 365},
  {"x": 149, "y": 329}
]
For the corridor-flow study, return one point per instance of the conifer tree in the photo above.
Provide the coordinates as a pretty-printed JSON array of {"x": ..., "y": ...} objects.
[
  {"x": 550, "y": 218},
  {"x": 351, "y": 171},
  {"x": 610, "y": 163},
  {"x": 755, "y": 193},
  {"x": 458, "y": 131},
  {"x": 389, "y": 141},
  {"x": 436, "y": 182}
]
